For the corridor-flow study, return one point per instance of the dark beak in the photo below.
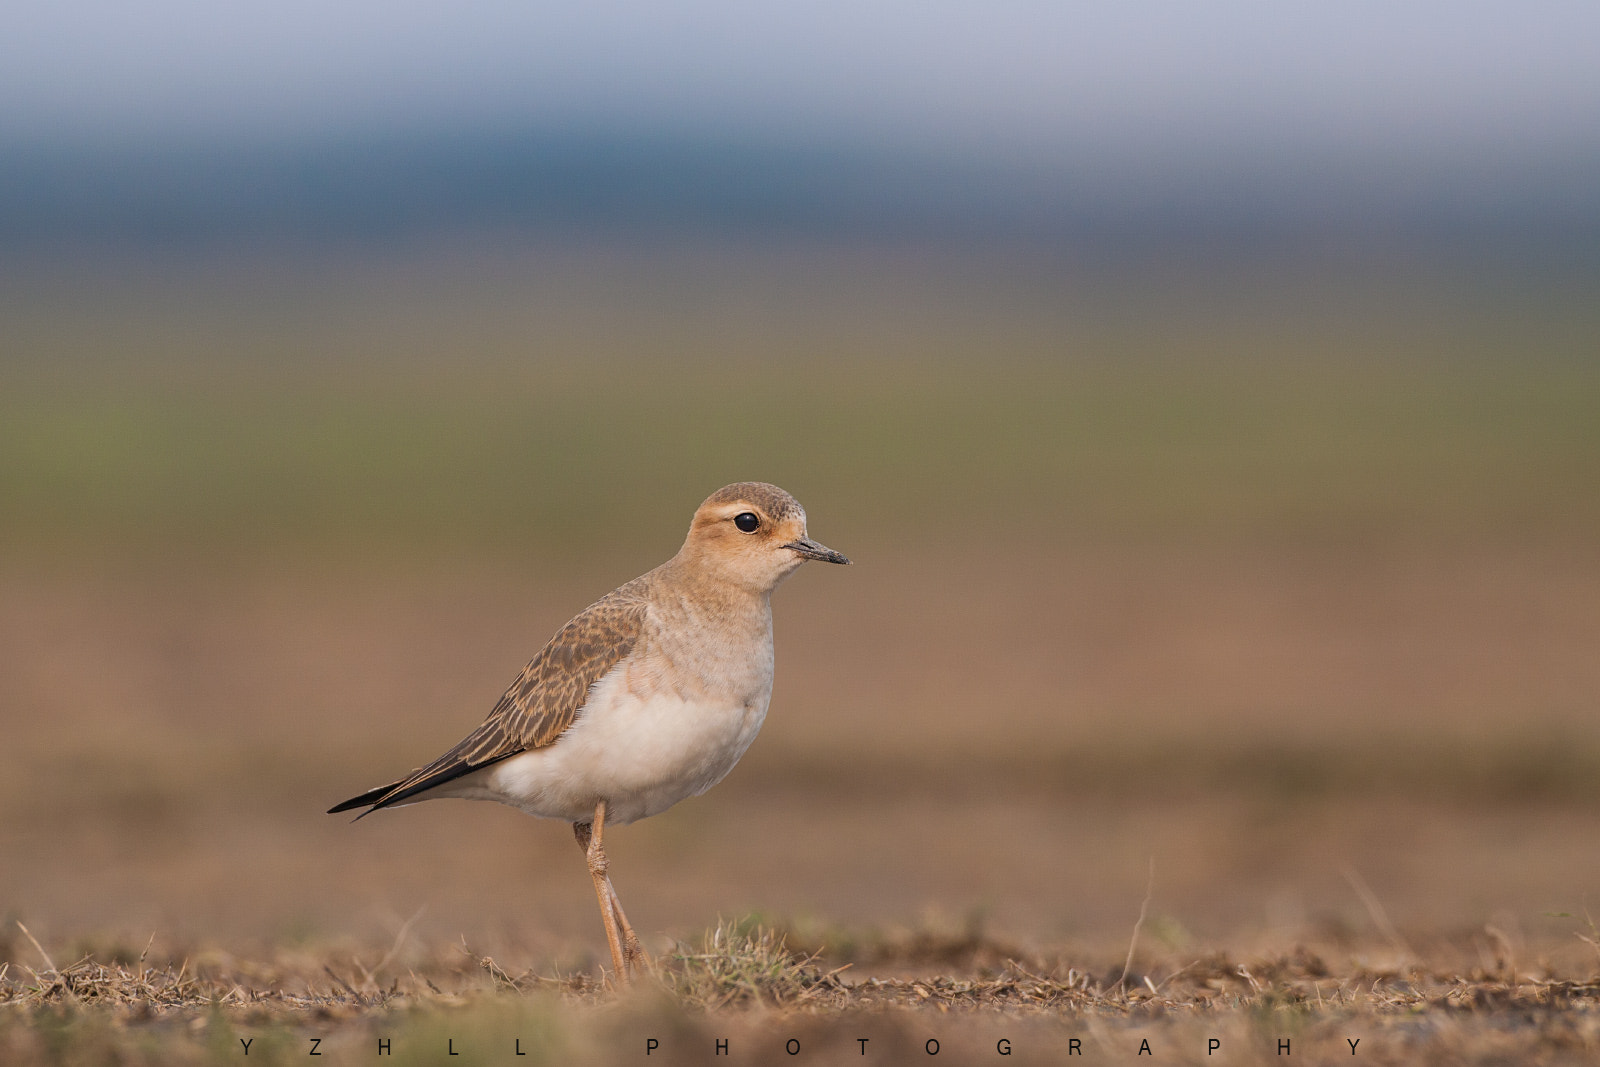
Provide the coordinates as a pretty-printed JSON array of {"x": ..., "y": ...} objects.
[{"x": 806, "y": 548}]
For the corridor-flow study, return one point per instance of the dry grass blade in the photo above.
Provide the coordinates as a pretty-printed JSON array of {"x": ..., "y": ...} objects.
[
  {"x": 399, "y": 940},
  {"x": 49, "y": 963},
  {"x": 1133, "y": 942},
  {"x": 495, "y": 972},
  {"x": 1380, "y": 918},
  {"x": 342, "y": 984}
]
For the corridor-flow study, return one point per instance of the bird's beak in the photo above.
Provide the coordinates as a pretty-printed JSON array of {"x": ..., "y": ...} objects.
[{"x": 806, "y": 548}]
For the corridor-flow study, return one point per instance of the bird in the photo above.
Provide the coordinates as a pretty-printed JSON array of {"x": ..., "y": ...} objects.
[{"x": 647, "y": 697}]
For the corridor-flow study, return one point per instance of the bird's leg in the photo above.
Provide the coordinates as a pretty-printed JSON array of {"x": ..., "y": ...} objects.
[
  {"x": 632, "y": 954},
  {"x": 589, "y": 837}
]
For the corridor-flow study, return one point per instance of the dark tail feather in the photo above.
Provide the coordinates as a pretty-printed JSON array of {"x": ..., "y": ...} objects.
[
  {"x": 368, "y": 799},
  {"x": 446, "y": 768}
]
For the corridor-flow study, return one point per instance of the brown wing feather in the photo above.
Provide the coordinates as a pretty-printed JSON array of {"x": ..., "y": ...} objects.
[{"x": 540, "y": 704}]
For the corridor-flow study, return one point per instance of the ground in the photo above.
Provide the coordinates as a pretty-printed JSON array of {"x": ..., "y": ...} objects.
[{"x": 745, "y": 990}]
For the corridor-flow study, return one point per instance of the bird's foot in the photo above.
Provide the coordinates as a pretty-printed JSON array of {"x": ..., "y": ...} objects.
[{"x": 633, "y": 956}]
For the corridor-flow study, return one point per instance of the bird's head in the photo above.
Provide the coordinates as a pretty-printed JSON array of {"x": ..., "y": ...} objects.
[{"x": 753, "y": 535}]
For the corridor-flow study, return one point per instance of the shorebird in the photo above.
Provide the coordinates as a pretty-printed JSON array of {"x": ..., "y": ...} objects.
[{"x": 648, "y": 696}]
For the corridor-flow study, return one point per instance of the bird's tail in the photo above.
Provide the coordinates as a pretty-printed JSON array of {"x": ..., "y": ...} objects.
[{"x": 367, "y": 799}]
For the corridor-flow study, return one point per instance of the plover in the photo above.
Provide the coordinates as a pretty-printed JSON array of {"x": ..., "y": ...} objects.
[{"x": 649, "y": 695}]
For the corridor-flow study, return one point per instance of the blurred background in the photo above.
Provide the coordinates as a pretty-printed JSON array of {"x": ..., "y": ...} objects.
[{"x": 1208, "y": 394}]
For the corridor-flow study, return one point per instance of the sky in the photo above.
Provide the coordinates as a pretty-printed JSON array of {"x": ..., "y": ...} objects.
[
  {"x": 1354, "y": 102},
  {"x": 1005, "y": 72}
]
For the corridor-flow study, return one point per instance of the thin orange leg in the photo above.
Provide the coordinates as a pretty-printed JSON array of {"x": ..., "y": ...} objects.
[
  {"x": 632, "y": 954},
  {"x": 590, "y": 837}
]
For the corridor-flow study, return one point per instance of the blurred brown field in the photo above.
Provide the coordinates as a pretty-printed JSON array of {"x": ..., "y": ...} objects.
[{"x": 1281, "y": 583}]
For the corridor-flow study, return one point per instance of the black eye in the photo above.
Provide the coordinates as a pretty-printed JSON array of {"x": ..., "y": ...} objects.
[{"x": 747, "y": 521}]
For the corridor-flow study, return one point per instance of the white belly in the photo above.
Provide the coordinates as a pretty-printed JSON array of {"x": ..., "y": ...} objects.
[{"x": 640, "y": 753}]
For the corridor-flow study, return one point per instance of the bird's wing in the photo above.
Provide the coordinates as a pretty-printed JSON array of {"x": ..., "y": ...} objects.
[{"x": 540, "y": 704}]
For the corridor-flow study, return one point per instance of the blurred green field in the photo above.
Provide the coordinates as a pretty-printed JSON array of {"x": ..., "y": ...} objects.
[{"x": 572, "y": 402}]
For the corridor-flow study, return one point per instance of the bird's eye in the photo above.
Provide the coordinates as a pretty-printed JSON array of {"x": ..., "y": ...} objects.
[{"x": 747, "y": 521}]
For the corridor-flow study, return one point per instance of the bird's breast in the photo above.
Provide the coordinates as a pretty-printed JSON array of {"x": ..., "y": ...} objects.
[
  {"x": 710, "y": 657},
  {"x": 639, "y": 746}
]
